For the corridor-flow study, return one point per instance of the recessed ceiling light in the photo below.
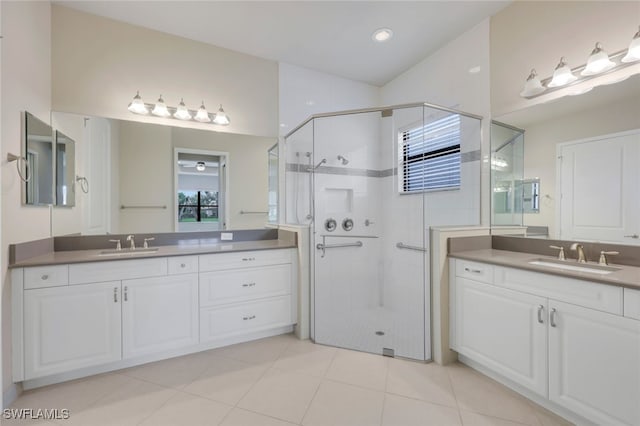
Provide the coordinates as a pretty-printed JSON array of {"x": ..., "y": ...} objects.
[
  {"x": 382, "y": 34},
  {"x": 475, "y": 70}
]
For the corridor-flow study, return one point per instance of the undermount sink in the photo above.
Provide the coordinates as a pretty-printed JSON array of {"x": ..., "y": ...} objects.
[
  {"x": 127, "y": 252},
  {"x": 567, "y": 265}
]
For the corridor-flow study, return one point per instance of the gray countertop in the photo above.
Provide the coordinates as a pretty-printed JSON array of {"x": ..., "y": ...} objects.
[
  {"x": 81, "y": 256},
  {"x": 626, "y": 276}
]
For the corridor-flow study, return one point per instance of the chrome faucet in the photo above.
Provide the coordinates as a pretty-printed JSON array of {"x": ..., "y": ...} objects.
[
  {"x": 146, "y": 242},
  {"x": 578, "y": 247},
  {"x": 133, "y": 241},
  {"x": 560, "y": 253}
]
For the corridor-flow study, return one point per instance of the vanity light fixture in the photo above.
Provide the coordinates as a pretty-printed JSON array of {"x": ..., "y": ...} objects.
[
  {"x": 202, "y": 115},
  {"x": 533, "y": 86},
  {"x": 562, "y": 75},
  {"x": 221, "y": 117},
  {"x": 137, "y": 106},
  {"x": 182, "y": 113},
  {"x": 598, "y": 63},
  {"x": 201, "y": 166},
  {"x": 160, "y": 109},
  {"x": 382, "y": 34},
  {"x": 633, "y": 53}
]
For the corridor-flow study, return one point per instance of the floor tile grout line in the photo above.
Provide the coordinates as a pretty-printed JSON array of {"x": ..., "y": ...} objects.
[
  {"x": 306, "y": 411},
  {"x": 384, "y": 404},
  {"x": 413, "y": 398},
  {"x": 158, "y": 408}
]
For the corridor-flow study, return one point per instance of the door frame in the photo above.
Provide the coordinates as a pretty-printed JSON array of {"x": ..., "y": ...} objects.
[
  {"x": 559, "y": 148},
  {"x": 224, "y": 183}
]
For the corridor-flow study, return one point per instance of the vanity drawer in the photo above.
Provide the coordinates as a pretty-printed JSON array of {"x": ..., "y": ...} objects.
[
  {"x": 182, "y": 265},
  {"x": 236, "y": 285},
  {"x": 116, "y": 270},
  {"x": 228, "y": 321},
  {"x": 474, "y": 271},
  {"x": 46, "y": 276},
  {"x": 632, "y": 303},
  {"x": 241, "y": 259},
  {"x": 588, "y": 294}
]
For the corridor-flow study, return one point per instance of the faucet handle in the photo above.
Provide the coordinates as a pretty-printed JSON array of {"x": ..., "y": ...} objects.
[
  {"x": 561, "y": 253},
  {"x": 146, "y": 245},
  {"x": 603, "y": 256},
  {"x": 118, "y": 244}
]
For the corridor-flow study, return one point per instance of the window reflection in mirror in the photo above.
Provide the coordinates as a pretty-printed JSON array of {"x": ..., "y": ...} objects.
[
  {"x": 273, "y": 184},
  {"x": 38, "y": 190},
  {"x": 65, "y": 170}
]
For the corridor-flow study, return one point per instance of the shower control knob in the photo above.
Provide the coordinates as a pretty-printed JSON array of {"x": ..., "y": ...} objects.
[
  {"x": 347, "y": 224},
  {"x": 330, "y": 224}
]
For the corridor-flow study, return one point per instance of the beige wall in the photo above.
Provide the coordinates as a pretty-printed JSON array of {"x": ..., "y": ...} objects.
[
  {"x": 146, "y": 174},
  {"x": 26, "y": 85},
  {"x": 98, "y": 64},
  {"x": 535, "y": 34},
  {"x": 542, "y": 138}
]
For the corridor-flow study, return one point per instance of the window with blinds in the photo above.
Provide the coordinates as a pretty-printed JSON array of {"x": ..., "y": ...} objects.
[{"x": 430, "y": 156}]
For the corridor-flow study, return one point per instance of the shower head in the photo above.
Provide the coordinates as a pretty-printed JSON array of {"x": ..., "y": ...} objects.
[
  {"x": 344, "y": 160},
  {"x": 324, "y": 160}
]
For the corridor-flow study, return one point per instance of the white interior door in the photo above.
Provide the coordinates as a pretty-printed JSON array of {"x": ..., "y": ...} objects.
[
  {"x": 97, "y": 170},
  {"x": 599, "y": 189}
]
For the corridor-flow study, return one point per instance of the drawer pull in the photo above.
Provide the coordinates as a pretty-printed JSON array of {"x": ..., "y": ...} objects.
[
  {"x": 126, "y": 297},
  {"x": 475, "y": 271},
  {"x": 44, "y": 277},
  {"x": 183, "y": 265},
  {"x": 248, "y": 284},
  {"x": 115, "y": 295},
  {"x": 248, "y": 259},
  {"x": 552, "y": 317},
  {"x": 540, "y": 311},
  {"x": 249, "y": 318}
]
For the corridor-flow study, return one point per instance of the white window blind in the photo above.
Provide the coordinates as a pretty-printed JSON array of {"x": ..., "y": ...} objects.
[{"x": 430, "y": 156}]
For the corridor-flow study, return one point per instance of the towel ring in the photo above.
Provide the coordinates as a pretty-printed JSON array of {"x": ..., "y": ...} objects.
[
  {"x": 84, "y": 183},
  {"x": 13, "y": 157}
]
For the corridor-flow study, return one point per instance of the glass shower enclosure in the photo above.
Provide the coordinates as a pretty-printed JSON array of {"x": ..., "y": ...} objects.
[{"x": 361, "y": 180}]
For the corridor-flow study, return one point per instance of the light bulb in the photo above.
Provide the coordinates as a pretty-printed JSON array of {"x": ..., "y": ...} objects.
[
  {"x": 182, "y": 113},
  {"x": 137, "y": 106},
  {"x": 598, "y": 62},
  {"x": 202, "y": 115},
  {"x": 160, "y": 109},
  {"x": 562, "y": 75},
  {"x": 532, "y": 86},
  {"x": 221, "y": 118},
  {"x": 201, "y": 166},
  {"x": 382, "y": 34},
  {"x": 633, "y": 54}
]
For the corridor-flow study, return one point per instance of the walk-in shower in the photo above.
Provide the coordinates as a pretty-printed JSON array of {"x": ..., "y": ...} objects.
[{"x": 374, "y": 179}]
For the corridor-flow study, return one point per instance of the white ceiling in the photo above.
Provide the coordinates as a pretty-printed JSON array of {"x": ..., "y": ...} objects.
[{"x": 329, "y": 36}]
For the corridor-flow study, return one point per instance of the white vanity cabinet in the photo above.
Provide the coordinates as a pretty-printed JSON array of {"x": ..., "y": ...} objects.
[
  {"x": 159, "y": 314},
  {"x": 74, "y": 320},
  {"x": 235, "y": 300},
  {"x": 563, "y": 339},
  {"x": 71, "y": 327}
]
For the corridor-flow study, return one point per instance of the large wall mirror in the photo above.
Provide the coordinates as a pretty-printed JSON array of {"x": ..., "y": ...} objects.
[
  {"x": 146, "y": 178},
  {"x": 65, "y": 170},
  {"x": 39, "y": 155},
  {"x": 576, "y": 175}
]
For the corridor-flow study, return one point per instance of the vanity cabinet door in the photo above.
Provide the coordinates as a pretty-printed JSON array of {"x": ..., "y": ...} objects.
[
  {"x": 159, "y": 314},
  {"x": 594, "y": 364},
  {"x": 71, "y": 327},
  {"x": 504, "y": 330}
]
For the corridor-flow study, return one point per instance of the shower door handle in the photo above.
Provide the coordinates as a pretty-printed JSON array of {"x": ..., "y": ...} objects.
[{"x": 323, "y": 247}]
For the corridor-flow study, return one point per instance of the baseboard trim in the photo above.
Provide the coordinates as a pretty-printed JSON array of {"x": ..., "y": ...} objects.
[{"x": 9, "y": 395}]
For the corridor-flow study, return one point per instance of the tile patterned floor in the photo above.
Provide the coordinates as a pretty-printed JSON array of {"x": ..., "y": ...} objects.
[{"x": 284, "y": 381}]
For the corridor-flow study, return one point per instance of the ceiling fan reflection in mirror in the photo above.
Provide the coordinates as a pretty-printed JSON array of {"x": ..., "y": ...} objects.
[{"x": 200, "y": 166}]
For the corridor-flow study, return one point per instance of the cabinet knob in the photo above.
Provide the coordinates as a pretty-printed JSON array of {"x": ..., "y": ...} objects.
[
  {"x": 182, "y": 265},
  {"x": 44, "y": 277}
]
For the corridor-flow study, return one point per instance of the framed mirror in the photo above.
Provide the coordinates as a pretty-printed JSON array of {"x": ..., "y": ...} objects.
[
  {"x": 580, "y": 176},
  {"x": 65, "y": 170},
  {"x": 39, "y": 154}
]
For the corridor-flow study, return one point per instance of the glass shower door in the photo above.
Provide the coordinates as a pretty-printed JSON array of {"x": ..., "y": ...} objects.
[{"x": 369, "y": 286}]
